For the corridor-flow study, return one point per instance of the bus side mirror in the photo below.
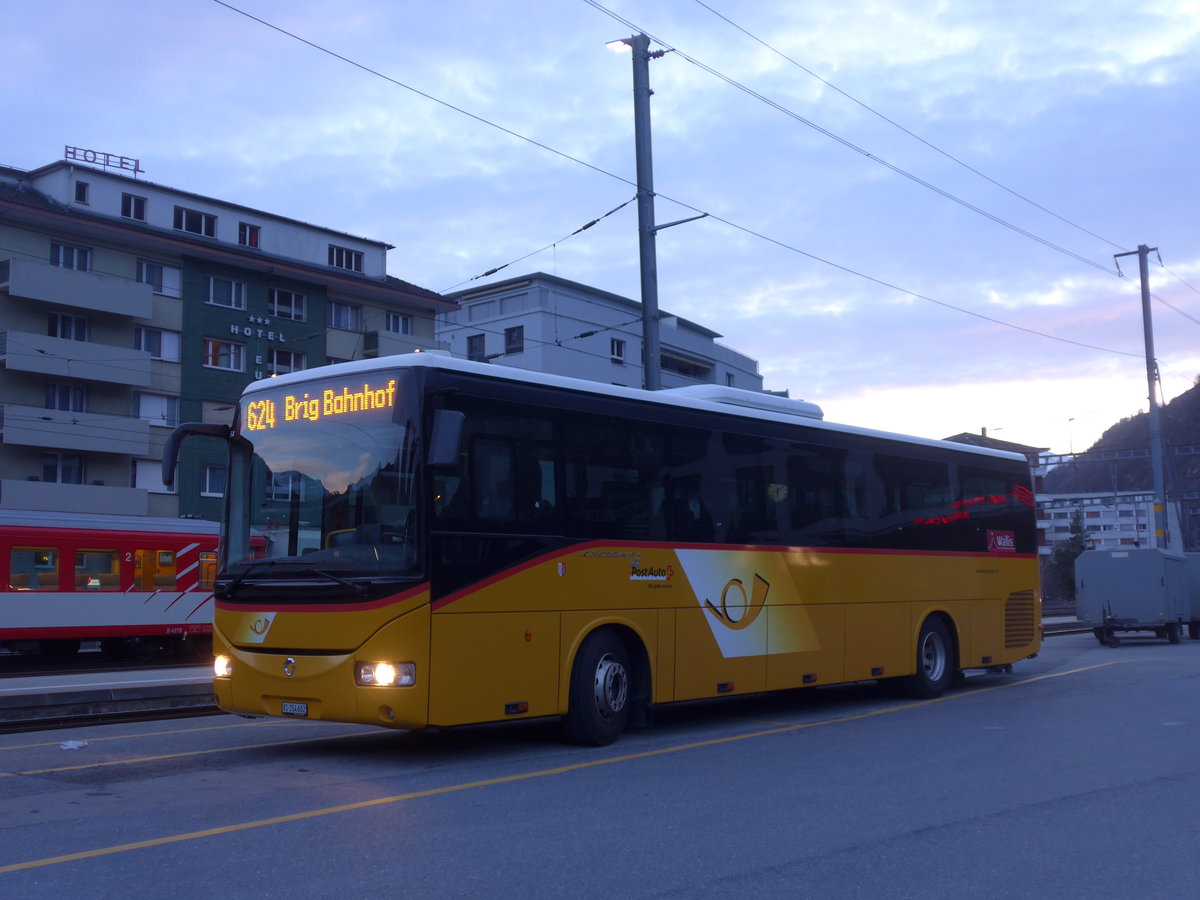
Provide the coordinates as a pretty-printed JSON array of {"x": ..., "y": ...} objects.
[
  {"x": 445, "y": 438},
  {"x": 171, "y": 449}
]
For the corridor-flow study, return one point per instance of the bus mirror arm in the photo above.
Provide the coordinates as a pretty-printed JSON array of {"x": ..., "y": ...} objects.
[{"x": 171, "y": 448}]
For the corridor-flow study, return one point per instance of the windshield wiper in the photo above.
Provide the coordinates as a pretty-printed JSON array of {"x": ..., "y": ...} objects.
[
  {"x": 237, "y": 582},
  {"x": 361, "y": 588}
]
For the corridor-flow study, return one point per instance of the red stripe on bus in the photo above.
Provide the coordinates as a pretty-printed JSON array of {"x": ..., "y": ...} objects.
[
  {"x": 752, "y": 548},
  {"x": 267, "y": 606}
]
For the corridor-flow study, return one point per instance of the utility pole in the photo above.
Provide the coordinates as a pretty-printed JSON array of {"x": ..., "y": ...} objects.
[
  {"x": 1156, "y": 446},
  {"x": 647, "y": 252}
]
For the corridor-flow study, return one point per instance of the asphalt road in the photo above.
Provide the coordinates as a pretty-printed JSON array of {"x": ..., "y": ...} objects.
[{"x": 1078, "y": 775}]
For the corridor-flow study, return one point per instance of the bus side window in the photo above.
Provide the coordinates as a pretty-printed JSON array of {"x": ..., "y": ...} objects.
[
  {"x": 492, "y": 473},
  {"x": 33, "y": 569}
]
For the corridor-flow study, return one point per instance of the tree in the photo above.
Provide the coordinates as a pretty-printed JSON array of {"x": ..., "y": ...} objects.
[{"x": 1058, "y": 571}]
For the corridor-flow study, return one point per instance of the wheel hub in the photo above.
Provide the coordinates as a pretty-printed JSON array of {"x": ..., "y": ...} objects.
[{"x": 612, "y": 686}]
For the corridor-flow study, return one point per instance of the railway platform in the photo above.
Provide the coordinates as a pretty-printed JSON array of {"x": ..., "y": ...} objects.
[{"x": 44, "y": 699}]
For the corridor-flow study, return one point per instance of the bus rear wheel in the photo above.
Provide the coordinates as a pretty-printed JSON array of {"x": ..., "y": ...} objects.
[
  {"x": 599, "y": 701},
  {"x": 935, "y": 661}
]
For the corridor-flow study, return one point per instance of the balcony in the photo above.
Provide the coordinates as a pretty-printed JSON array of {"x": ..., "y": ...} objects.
[
  {"x": 389, "y": 343},
  {"x": 35, "y": 280},
  {"x": 65, "y": 430},
  {"x": 23, "y": 351},
  {"x": 53, "y": 497}
]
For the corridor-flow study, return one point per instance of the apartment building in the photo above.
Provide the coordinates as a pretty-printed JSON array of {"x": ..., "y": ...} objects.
[
  {"x": 553, "y": 325},
  {"x": 127, "y": 307}
]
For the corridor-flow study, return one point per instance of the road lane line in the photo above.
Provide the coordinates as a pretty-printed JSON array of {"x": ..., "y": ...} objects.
[
  {"x": 187, "y": 753},
  {"x": 512, "y": 779}
]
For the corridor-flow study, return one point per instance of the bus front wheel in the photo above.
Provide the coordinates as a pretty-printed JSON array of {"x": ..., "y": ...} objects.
[
  {"x": 598, "y": 706},
  {"x": 935, "y": 661}
]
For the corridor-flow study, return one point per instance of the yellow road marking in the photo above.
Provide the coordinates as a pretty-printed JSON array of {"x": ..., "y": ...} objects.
[
  {"x": 187, "y": 753},
  {"x": 255, "y": 723},
  {"x": 507, "y": 779}
]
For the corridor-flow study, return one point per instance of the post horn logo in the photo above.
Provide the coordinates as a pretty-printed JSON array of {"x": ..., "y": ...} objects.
[{"x": 737, "y": 611}]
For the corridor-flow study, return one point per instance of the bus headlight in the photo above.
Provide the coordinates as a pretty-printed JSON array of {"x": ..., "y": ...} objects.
[
  {"x": 222, "y": 666},
  {"x": 386, "y": 674}
]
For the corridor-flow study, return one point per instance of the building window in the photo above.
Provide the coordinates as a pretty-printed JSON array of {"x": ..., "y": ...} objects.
[
  {"x": 69, "y": 397},
  {"x": 397, "y": 323},
  {"x": 159, "y": 344},
  {"x": 63, "y": 468},
  {"x": 195, "y": 222},
  {"x": 147, "y": 475},
  {"x": 280, "y": 362},
  {"x": 475, "y": 347},
  {"x": 616, "y": 351},
  {"x": 248, "y": 234},
  {"x": 167, "y": 280},
  {"x": 82, "y": 191},
  {"x": 514, "y": 339},
  {"x": 67, "y": 257},
  {"x": 285, "y": 304},
  {"x": 729, "y": 379},
  {"x": 345, "y": 258},
  {"x": 286, "y": 485},
  {"x": 212, "y": 481},
  {"x": 133, "y": 207},
  {"x": 67, "y": 327},
  {"x": 224, "y": 355},
  {"x": 226, "y": 292},
  {"x": 343, "y": 316},
  {"x": 157, "y": 409}
]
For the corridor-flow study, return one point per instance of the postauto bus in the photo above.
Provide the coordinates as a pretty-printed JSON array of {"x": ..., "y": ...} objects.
[{"x": 451, "y": 542}]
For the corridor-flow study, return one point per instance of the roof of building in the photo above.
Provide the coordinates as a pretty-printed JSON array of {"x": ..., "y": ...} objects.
[
  {"x": 20, "y": 196},
  {"x": 982, "y": 440},
  {"x": 497, "y": 287}
]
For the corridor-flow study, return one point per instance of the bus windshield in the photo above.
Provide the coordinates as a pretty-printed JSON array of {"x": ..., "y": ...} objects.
[{"x": 327, "y": 470}]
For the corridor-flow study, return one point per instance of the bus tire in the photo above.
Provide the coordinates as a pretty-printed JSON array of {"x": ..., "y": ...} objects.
[
  {"x": 599, "y": 701},
  {"x": 935, "y": 661}
]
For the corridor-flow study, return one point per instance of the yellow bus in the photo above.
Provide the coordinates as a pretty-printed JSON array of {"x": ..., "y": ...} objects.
[{"x": 451, "y": 542}]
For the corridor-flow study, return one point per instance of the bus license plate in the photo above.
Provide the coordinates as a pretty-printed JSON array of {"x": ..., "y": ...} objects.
[{"x": 293, "y": 709}]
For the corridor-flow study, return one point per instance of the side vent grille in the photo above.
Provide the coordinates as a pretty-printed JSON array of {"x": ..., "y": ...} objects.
[{"x": 1019, "y": 624}]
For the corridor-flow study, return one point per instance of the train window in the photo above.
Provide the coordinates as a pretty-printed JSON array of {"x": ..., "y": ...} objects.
[
  {"x": 208, "y": 570},
  {"x": 97, "y": 570},
  {"x": 33, "y": 569},
  {"x": 155, "y": 569}
]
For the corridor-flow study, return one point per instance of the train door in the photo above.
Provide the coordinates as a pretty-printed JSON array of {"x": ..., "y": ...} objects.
[{"x": 155, "y": 569}]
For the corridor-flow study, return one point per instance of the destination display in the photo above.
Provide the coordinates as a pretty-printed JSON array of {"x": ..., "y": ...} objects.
[{"x": 311, "y": 403}]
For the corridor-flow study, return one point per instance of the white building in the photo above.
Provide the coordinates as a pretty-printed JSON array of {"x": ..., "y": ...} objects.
[
  {"x": 1110, "y": 521},
  {"x": 549, "y": 324}
]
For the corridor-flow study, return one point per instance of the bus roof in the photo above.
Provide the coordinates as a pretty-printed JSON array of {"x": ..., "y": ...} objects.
[{"x": 709, "y": 398}]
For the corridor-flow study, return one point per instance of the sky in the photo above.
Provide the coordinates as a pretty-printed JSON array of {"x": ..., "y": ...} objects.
[{"x": 913, "y": 207}]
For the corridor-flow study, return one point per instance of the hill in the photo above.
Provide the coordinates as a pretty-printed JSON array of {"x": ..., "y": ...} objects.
[{"x": 1180, "y": 420}]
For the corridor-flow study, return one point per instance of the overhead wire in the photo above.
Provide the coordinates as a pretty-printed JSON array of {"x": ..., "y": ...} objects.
[
  {"x": 845, "y": 142},
  {"x": 907, "y": 131},
  {"x": 688, "y": 206}
]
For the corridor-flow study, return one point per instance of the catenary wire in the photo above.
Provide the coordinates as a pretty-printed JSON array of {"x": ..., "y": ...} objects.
[{"x": 746, "y": 230}]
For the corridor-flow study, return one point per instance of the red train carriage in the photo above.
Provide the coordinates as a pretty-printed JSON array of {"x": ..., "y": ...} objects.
[{"x": 137, "y": 585}]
